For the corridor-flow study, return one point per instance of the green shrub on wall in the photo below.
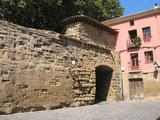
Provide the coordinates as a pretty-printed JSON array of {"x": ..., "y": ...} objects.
[{"x": 137, "y": 41}]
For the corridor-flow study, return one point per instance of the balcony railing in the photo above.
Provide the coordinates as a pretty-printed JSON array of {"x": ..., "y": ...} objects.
[
  {"x": 130, "y": 44},
  {"x": 135, "y": 66},
  {"x": 147, "y": 38}
]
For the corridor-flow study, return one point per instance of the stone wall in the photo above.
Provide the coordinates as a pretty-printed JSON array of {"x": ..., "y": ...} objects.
[
  {"x": 46, "y": 70},
  {"x": 87, "y": 58},
  {"x": 151, "y": 85},
  {"x": 91, "y": 34}
]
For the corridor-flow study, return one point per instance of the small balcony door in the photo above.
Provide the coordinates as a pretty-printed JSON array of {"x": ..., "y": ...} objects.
[
  {"x": 132, "y": 35},
  {"x": 134, "y": 61}
]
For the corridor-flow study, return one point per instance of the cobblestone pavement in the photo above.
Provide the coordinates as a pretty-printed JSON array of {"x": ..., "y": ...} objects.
[{"x": 102, "y": 111}]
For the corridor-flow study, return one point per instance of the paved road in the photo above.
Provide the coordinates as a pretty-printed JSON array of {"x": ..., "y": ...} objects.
[{"x": 102, "y": 111}]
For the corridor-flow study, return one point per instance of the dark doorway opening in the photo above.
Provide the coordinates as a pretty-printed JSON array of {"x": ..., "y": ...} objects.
[{"x": 103, "y": 79}]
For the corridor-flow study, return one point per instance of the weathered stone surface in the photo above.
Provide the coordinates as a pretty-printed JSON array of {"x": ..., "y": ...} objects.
[
  {"x": 46, "y": 70},
  {"x": 91, "y": 34},
  {"x": 151, "y": 85}
]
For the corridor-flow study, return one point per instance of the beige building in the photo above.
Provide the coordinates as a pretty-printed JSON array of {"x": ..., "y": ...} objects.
[{"x": 45, "y": 70}]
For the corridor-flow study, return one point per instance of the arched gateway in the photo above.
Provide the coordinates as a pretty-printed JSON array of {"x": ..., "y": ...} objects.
[{"x": 103, "y": 79}]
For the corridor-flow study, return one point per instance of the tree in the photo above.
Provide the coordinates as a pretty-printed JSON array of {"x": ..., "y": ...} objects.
[{"x": 46, "y": 14}]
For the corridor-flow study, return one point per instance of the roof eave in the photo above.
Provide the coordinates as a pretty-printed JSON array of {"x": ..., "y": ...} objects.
[{"x": 131, "y": 17}]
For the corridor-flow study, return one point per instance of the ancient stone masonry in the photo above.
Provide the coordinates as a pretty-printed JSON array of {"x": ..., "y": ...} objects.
[
  {"x": 84, "y": 87},
  {"x": 78, "y": 27},
  {"x": 45, "y": 70}
]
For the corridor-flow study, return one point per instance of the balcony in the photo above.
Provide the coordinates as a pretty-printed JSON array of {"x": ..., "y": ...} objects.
[
  {"x": 134, "y": 70},
  {"x": 130, "y": 44},
  {"x": 134, "y": 43},
  {"x": 147, "y": 38},
  {"x": 134, "y": 66}
]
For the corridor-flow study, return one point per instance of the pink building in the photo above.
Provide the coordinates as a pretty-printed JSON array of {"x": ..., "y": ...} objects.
[{"x": 140, "y": 58}]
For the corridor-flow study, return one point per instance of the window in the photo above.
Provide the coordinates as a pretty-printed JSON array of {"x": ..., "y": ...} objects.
[
  {"x": 146, "y": 33},
  {"x": 148, "y": 56},
  {"x": 132, "y": 35},
  {"x": 134, "y": 61},
  {"x": 131, "y": 22}
]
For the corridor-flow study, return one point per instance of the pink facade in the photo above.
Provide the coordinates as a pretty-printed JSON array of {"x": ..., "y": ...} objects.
[
  {"x": 152, "y": 21},
  {"x": 139, "y": 62}
]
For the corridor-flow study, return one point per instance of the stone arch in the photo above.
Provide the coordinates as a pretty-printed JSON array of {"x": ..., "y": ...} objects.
[{"x": 103, "y": 79}]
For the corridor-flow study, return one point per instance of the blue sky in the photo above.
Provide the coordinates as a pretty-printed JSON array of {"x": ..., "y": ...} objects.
[{"x": 134, "y": 6}]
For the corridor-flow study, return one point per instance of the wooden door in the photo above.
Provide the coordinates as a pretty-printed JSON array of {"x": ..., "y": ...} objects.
[{"x": 136, "y": 89}]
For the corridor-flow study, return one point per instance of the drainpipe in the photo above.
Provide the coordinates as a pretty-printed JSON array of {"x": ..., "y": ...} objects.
[{"x": 121, "y": 78}]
